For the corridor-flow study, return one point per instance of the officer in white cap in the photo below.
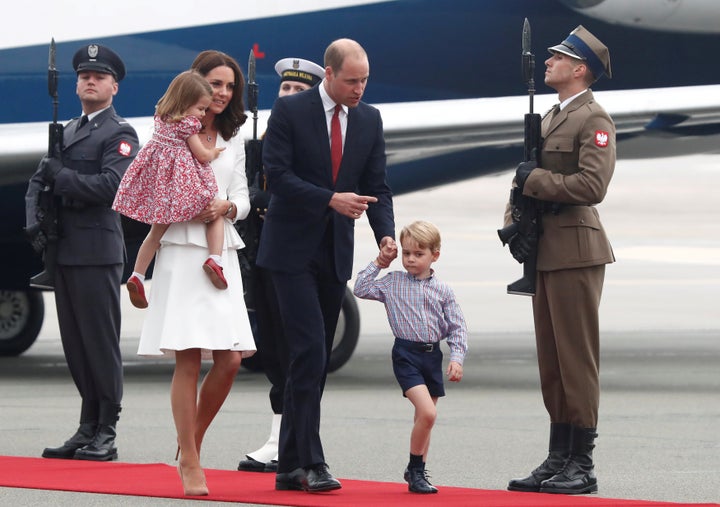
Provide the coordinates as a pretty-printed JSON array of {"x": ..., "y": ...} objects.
[
  {"x": 84, "y": 175},
  {"x": 296, "y": 75},
  {"x": 576, "y": 164}
]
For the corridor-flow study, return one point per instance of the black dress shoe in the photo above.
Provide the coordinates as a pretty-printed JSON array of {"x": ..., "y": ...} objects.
[
  {"x": 319, "y": 478},
  {"x": 291, "y": 481},
  {"x": 417, "y": 479},
  {"x": 83, "y": 436},
  {"x": 253, "y": 465}
]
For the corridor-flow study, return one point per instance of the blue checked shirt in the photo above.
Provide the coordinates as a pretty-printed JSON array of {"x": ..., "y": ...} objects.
[{"x": 422, "y": 311}]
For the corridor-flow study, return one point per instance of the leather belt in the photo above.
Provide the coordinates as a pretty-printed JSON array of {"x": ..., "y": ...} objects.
[{"x": 419, "y": 346}]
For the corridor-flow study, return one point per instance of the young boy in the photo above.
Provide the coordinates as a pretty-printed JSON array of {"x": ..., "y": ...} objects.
[{"x": 421, "y": 311}]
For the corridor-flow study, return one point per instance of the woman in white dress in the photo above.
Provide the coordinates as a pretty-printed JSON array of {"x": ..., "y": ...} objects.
[{"x": 187, "y": 317}]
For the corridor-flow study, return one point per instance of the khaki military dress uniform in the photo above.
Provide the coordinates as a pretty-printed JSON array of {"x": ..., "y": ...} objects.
[{"x": 577, "y": 163}]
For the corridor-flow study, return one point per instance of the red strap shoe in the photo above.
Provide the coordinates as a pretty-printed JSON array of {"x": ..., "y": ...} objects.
[
  {"x": 215, "y": 273},
  {"x": 137, "y": 292}
]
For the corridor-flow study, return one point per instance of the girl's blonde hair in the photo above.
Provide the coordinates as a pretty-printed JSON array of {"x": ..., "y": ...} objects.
[
  {"x": 184, "y": 91},
  {"x": 425, "y": 234}
]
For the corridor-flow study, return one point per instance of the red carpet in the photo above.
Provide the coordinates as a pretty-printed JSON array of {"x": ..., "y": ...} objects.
[{"x": 161, "y": 480}]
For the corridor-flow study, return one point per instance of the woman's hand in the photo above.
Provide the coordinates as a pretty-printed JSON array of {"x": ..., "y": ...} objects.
[{"x": 212, "y": 211}]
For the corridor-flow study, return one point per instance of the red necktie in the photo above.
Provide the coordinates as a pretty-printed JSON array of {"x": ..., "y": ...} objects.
[{"x": 335, "y": 142}]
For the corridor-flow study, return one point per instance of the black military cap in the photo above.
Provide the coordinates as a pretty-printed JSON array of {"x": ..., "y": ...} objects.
[{"x": 100, "y": 59}]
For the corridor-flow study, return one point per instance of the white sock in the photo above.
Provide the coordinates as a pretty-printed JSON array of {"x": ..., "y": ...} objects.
[
  {"x": 217, "y": 259},
  {"x": 139, "y": 276}
]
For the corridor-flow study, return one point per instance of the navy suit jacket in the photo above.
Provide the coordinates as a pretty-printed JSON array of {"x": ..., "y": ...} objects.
[{"x": 296, "y": 156}]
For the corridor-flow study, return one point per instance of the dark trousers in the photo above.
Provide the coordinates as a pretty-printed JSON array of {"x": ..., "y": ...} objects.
[
  {"x": 88, "y": 307},
  {"x": 310, "y": 303}
]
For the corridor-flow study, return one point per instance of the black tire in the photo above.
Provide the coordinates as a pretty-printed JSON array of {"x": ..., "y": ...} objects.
[
  {"x": 346, "y": 333},
  {"x": 21, "y": 318}
]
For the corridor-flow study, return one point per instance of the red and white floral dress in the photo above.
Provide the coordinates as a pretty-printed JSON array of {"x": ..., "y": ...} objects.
[{"x": 165, "y": 183}]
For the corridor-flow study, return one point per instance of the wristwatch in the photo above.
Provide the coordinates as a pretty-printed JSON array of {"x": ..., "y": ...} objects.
[{"x": 230, "y": 208}]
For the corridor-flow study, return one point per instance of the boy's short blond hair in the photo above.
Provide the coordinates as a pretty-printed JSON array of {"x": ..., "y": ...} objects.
[{"x": 425, "y": 234}]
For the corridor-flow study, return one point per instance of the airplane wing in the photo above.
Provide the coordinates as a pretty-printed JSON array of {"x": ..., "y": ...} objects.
[{"x": 416, "y": 132}]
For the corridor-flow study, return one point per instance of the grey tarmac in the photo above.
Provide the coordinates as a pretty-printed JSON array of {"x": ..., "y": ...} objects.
[{"x": 660, "y": 360}]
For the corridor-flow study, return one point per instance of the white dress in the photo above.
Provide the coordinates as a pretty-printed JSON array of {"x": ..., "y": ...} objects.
[{"x": 185, "y": 310}]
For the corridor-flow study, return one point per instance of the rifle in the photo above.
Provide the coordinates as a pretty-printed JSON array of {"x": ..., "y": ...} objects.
[
  {"x": 526, "y": 213},
  {"x": 249, "y": 229},
  {"x": 46, "y": 214}
]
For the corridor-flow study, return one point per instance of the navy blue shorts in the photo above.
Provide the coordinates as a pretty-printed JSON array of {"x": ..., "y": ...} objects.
[{"x": 417, "y": 363}]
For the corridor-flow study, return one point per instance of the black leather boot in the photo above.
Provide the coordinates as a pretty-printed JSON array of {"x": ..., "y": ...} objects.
[
  {"x": 102, "y": 447},
  {"x": 559, "y": 451},
  {"x": 83, "y": 436},
  {"x": 418, "y": 480},
  {"x": 578, "y": 475}
]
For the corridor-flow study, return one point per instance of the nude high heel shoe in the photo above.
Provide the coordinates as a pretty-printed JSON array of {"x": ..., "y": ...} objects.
[
  {"x": 192, "y": 478},
  {"x": 193, "y": 481}
]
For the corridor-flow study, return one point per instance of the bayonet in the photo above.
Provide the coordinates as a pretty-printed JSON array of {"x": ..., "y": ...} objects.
[
  {"x": 53, "y": 78},
  {"x": 252, "y": 91},
  {"x": 528, "y": 62}
]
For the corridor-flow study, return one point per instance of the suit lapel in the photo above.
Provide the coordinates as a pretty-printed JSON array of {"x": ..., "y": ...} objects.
[
  {"x": 561, "y": 116},
  {"x": 319, "y": 125},
  {"x": 72, "y": 136}
]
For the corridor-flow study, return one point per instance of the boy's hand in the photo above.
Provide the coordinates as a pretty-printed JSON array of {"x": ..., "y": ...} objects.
[
  {"x": 388, "y": 252},
  {"x": 454, "y": 371}
]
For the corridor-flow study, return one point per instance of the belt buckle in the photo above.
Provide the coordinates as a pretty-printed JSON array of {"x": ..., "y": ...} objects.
[{"x": 429, "y": 347}]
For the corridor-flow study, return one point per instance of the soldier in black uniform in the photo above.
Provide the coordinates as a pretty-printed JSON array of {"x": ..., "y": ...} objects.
[{"x": 97, "y": 149}]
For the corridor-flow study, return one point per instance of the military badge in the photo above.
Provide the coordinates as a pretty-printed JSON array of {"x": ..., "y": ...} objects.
[
  {"x": 601, "y": 138},
  {"x": 124, "y": 148}
]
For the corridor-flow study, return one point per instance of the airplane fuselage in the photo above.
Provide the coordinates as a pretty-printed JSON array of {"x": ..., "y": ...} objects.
[{"x": 419, "y": 50}]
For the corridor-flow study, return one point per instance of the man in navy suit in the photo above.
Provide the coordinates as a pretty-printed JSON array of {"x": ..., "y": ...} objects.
[{"x": 308, "y": 236}]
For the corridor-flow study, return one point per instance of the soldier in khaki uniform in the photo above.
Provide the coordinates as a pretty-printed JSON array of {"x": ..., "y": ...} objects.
[{"x": 578, "y": 160}]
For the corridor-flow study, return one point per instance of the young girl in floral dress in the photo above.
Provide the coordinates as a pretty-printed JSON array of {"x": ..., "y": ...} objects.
[{"x": 170, "y": 180}]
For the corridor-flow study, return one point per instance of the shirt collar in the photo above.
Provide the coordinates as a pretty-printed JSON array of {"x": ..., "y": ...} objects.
[
  {"x": 93, "y": 115},
  {"x": 328, "y": 103},
  {"x": 412, "y": 277},
  {"x": 568, "y": 100}
]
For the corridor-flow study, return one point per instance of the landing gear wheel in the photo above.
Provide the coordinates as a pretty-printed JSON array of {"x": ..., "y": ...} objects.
[{"x": 21, "y": 317}]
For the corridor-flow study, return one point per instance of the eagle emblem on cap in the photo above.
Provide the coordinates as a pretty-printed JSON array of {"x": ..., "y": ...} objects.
[
  {"x": 296, "y": 64},
  {"x": 93, "y": 50}
]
